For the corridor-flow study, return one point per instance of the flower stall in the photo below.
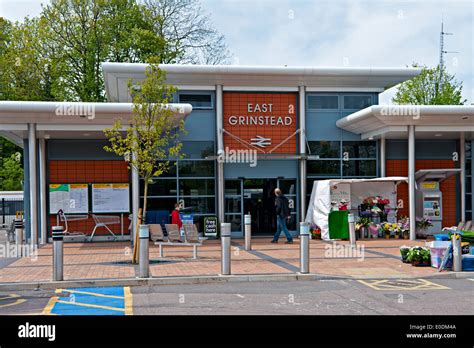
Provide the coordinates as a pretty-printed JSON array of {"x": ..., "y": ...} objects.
[{"x": 372, "y": 201}]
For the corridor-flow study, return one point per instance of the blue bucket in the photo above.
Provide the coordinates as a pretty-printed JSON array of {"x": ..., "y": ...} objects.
[{"x": 441, "y": 237}]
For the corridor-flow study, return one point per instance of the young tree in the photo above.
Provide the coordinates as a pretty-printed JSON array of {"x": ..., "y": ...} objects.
[
  {"x": 152, "y": 137},
  {"x": 433, "y": 86},
  {"x": 11, "y": 173}
]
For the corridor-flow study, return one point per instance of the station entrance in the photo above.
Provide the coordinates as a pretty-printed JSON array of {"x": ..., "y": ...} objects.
[{"x": 257, "y": 198}]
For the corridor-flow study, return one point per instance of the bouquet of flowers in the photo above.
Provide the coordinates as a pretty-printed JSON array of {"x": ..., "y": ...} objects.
[{"x": 315, "y": 231}]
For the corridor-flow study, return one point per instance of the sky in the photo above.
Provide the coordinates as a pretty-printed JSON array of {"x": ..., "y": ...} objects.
[{"x": 367, "y": 33}]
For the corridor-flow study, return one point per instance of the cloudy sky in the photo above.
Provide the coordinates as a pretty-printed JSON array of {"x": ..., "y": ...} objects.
[{"x": 335, "y": 32}]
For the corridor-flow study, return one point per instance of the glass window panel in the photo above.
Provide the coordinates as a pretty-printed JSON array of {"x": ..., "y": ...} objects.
[
  {"x": 235, "y": 222},
  {"x": 468, "y": 184},
  {"x": 196, "y": 187},
  {"x": 325, "y": 149},
  {"x": 469, "y": 215},
  {"x": 232, "y": 187},
  {"x": 359, "y": 168},
  {"x": 196, "y": 168},
  {"x": 197, "y": 149},
  {"x": 199, "y": 205},
  {"x": 323, "y": 102},
  {"x": 360, "y": 149},
  {"x": 198, "y": 101},
  {"x": 468, "y": 167},
  {"x": 160, "y": 187},
  {"x": 468, "y": 202},
  {"x": 324, "y": 168},
  {"x": 233, "y": 205},
  {"x": 288, "y": 187},
  {"x": 159, "y": 204},
  {"x": 357, "y": 101}
]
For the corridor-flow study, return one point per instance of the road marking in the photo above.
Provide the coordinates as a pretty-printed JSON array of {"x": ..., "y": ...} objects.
[
  {"x": 402, "y": 284},
  {"x": 11, "y": 297},
  {"x": 128, "y": 298},
  {"x": 87, "y": 293},
  {"x": 91, "y": 305},
  {"x": 91, "y": 301},
  {"x": 241, "y": 296}
]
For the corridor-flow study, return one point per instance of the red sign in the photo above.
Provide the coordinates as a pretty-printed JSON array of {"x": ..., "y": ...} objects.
[{"x": 265, "y": 122}]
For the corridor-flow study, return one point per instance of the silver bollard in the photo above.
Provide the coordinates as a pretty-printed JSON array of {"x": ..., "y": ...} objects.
[
  {"x": 304, "y": 247},
  {"x": 144, "y": 257},
  {"x": 352, "y": 231},
  {"x": 225, "y": 248},
  {"x": 457, "y": 252},
  {"x": 248, "y": 232},
  {"x": 19, "y": 237},
  {"x": 58, "y": 235}
]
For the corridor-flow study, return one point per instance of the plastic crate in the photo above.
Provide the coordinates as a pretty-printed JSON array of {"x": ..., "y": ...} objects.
[{"x": 437, "y": 250}]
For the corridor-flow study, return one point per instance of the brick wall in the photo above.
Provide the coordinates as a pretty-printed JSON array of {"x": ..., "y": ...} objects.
[
  {"x": 448, "y": 187},
  {"x": 86, "y": 172}
]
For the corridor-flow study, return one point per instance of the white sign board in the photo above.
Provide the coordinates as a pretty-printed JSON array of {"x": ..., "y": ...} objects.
[
  {"x": 70, "y": 198},
  {"x": 110, "y": 198},
  {"x": 341, "y": 191}
]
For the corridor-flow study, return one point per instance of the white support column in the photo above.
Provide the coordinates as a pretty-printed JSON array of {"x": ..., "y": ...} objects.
[
  {"x": 33, "y": 184},
  {"x": 220, "y": 150},
  {"x": 135, "y": 200},
  {"x": 302, "y": 162},
  {"x": 383, "y": 159},
  {"x": 411, "y": 181},
  {"x": 42, "y": 187},
  {"x": 462, "y": 158}
]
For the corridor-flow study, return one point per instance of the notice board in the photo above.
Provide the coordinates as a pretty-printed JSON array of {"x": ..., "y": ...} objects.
[
  {"x": 70, "y": 198},
  {"x": 110, "y": 198}
]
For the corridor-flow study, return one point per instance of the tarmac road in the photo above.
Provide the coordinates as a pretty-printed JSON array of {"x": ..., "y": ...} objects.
[{"x": 342, "y": 297}]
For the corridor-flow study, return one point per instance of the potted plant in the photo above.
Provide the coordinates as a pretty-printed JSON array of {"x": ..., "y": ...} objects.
[
  {"x": 419, "y": 256},
  {"x": 361, "y": 225},
  {"x": 315, "y": 231},
  {"x": 422, "y": 225},
  {"x": 405, "y": 227},
  {"x": 404, "y": 253},
  {"x": 387, "y": 229},
  {"x": 374, "y": 230}
]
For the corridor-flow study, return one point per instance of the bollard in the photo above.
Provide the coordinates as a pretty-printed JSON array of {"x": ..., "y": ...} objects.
[
  {"x": 144, "y": 257},
  {"x": 248, "y": 232},
  {"x": 19, "y": 236},
  {"x": 352, "y": 232},
  {"x": 304, "y": 247},
  {"x": 225, "y": 248},
  {"x": 58, "y": 235},
  {"x": 457, "y": 253}
]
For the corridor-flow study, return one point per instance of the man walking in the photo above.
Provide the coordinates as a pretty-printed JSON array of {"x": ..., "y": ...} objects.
[{"x": 282, "y": 208}]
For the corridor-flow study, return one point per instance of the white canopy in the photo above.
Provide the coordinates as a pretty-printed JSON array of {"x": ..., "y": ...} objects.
[{"x": 352, "y": 191}]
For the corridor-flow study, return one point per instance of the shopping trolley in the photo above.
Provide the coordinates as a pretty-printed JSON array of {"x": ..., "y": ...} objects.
[{"x": 105, "y": 221}]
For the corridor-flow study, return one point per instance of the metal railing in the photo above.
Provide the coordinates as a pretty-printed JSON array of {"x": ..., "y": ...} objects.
[{"x": 9, "y": 208}]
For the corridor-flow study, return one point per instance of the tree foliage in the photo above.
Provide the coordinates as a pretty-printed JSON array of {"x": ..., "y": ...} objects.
[
  {"x": 152, "y": 136},
  {"x": 11, "y": 173},
  {"x": 433, "y": 86}
]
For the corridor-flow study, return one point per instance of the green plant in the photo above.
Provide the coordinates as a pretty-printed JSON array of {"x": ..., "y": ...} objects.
[{"x": 419, "y": 254}]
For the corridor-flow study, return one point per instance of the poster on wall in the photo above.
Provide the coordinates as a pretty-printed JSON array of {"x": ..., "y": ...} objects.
[
  {"x": 110, "y": 198},
  {"x": 70, "y": 198}
]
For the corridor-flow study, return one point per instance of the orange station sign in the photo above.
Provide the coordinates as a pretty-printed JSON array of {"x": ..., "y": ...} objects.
[{"x": 265, "y": 122}]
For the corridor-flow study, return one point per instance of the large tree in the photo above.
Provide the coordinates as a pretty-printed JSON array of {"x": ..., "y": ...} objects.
[{"x": 433, "y": 86}]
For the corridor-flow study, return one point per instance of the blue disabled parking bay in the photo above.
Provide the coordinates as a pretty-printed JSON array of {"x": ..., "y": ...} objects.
[{"x": 91, "y": 301}]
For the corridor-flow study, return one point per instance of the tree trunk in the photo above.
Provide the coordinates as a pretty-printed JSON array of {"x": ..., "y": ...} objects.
[{"x": 145, "y": 196}]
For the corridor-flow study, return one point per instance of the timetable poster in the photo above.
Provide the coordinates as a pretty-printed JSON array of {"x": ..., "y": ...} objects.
[
  {"x": 110, "y": 198},
  {"x": 70, "y": 198}
]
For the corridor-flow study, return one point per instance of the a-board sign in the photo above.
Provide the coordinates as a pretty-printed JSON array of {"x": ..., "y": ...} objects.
[
  {"x": 210, "y": 226},
  {"x": 70, "y": 198},
  {"x": 111, "y": 198}
]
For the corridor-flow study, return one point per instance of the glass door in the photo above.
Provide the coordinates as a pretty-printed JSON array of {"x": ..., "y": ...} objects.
[{"x": 289, "y": 189}]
